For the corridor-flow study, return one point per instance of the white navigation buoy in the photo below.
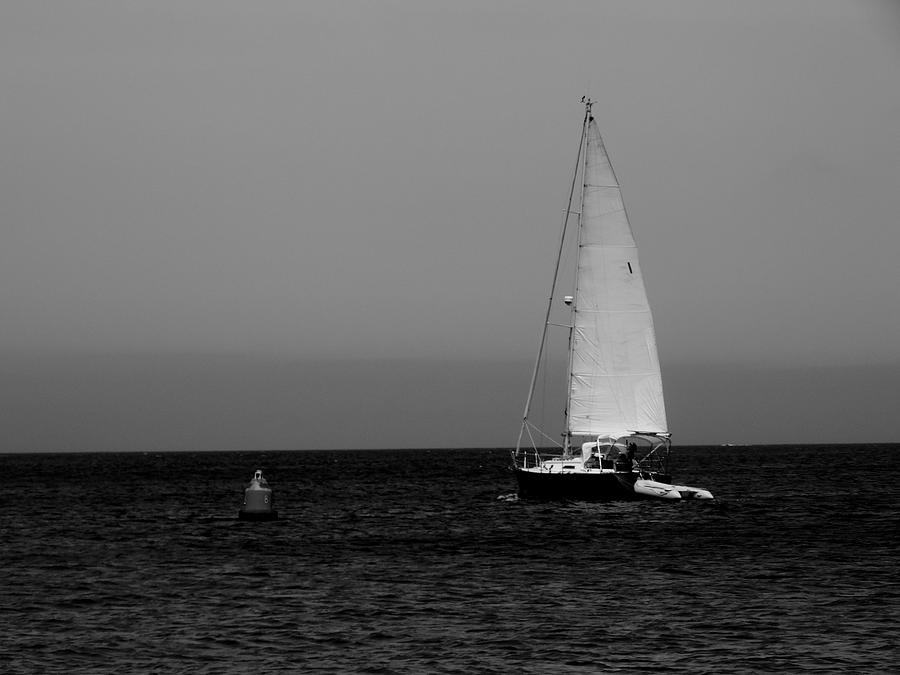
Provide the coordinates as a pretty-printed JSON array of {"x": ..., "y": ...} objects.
[{"x": 258, "y": 500}]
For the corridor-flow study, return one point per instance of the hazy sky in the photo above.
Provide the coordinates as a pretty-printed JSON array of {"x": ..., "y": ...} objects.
[{"x": 291, "y": 224}]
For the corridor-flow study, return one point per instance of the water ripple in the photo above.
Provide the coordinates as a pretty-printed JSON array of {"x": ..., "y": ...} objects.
[{"x": 410, "y": 562}]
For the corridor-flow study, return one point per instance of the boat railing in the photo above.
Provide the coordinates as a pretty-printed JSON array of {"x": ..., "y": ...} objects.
[
  {"x": 520, "y": 457},
  {"x": 525, "y": 458},
  {"x": 653, "y": 464}
]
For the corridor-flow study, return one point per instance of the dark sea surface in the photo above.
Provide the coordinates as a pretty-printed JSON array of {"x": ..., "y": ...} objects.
[{"x": 424, "y": 561}]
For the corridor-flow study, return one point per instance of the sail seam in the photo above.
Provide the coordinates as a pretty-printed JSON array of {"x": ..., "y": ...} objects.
[
  {"x": 590, "y": 310},
  {"x": 605, "y": 376}
]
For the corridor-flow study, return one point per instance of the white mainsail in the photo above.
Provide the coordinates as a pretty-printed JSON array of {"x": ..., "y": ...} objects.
[{"x": 615, "y": 385}]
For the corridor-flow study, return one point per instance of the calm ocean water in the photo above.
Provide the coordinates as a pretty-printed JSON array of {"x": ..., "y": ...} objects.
[{"x": 422, "y": 561}]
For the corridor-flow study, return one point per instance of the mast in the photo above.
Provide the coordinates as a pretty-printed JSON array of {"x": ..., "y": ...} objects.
[
  {"x": 559, "y": 254},
  {"x": 588, "y": 118}
]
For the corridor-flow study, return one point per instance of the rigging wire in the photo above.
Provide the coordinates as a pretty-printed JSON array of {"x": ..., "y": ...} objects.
[{"x": 562, "y": 239}]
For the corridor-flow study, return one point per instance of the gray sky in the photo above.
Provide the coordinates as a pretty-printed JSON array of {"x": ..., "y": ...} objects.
[{"x": 316, "y": 224}]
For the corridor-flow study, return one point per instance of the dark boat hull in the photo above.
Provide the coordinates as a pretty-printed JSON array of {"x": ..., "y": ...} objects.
[{"x": 588, "y": 487}]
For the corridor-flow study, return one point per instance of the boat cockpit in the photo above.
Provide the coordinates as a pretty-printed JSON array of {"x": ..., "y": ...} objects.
[{"x": 634, "y": 452}]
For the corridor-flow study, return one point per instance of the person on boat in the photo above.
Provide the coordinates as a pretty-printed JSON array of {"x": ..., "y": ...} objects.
[
  {"x": 625, "y": 458},
  {"x": 632, "y": 448}
]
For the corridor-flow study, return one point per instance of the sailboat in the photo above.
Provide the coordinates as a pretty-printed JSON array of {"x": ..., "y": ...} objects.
[{"x": 616, "y": 442}]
